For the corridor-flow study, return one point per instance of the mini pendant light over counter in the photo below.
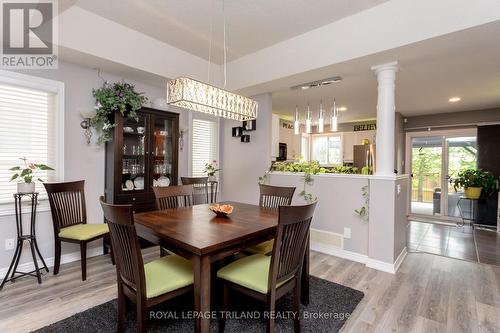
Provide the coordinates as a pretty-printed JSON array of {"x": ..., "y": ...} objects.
[
  {"x": 296, "y": 123},
  {"x": 321, "y": 119},
  {"x": 308, "y": 121},
  {"x": 334, "y": 120}
]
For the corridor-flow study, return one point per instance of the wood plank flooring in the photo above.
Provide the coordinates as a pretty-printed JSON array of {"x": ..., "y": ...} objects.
[{"x": 428, "y": 294}]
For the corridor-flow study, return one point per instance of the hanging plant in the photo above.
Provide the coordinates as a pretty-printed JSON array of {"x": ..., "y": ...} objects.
[{"x": 118, "y": 96}]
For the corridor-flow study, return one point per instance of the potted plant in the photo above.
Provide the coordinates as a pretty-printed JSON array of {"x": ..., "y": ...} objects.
[
  {"x": 474, "y": 182},
  {"x": 118, "y": 96},
  {"x": 26, "y": 175},
  {"x": 210, "y": 170}
]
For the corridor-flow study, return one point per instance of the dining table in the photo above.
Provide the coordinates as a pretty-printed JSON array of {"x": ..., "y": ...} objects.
[{"x": 200, "y": 236}]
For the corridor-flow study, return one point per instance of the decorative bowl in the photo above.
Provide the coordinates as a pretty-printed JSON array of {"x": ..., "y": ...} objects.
[{"x": 221, "y": 210}]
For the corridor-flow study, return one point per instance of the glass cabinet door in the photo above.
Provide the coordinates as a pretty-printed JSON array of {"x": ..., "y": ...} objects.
[
  {"x": 134, "y": 154},
  {"x": 162, "y": 151}
]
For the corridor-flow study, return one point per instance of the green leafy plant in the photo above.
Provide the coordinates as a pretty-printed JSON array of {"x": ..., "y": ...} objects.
[
  {"x": 28, "y": 171},
  {"x": 118, "y": 96},
  {"x": 301, "y": 165},
  {"x": 363, "y": 211},
  {"x": 211, "y": 168},
  {"x": 476, "y": 178}
]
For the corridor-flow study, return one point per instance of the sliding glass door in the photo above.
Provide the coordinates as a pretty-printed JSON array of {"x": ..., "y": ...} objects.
[
  {"x": 433, "y": 160},
  {"x": 426, "y": 167}
]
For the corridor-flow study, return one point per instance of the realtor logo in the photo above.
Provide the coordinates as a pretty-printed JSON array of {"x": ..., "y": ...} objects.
[{"x": 28, "y": 34}]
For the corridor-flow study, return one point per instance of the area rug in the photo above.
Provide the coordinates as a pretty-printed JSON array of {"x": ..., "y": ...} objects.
[{"x": 330, "y": 307}]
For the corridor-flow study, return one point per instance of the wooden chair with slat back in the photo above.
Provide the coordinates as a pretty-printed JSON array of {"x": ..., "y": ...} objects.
[
  {"x": 173, "y": 196},
  {"x": 69, "y": 217},
  {"x": 144, "y": 284},
  {"x": 271, "y": 197},
  {"x": 200, "y": 188},
  {"x": 275, "y": 196},
  {"x": 269, "y": 278}
]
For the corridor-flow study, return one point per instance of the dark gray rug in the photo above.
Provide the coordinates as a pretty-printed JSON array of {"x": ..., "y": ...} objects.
[{"x": 331, "y": 305}]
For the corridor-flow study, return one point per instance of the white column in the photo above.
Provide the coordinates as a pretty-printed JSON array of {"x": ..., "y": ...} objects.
[{"x": 386, "y": 113}]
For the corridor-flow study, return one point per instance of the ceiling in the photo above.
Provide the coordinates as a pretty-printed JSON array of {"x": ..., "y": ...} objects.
[
  {"x": 463, "y": 64},
  {"x": 250, "y": 25}
]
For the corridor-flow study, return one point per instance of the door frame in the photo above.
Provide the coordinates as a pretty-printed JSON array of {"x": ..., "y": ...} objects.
[{"x": 444, "y": 134}]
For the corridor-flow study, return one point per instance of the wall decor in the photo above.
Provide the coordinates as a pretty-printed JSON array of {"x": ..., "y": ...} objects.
[
  {"x": 237, "y": 131},
  {"x": 250, "y": 125},
  {"x": 245, "y": 138},
  {"x": 364, "y": 127}
]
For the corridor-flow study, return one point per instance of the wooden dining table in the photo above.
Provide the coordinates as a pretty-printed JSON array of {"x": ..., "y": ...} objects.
[{"x": 197, "y": 234}]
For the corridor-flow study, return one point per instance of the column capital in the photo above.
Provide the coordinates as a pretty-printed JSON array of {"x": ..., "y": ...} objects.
[{"x": 390, "y": 66}]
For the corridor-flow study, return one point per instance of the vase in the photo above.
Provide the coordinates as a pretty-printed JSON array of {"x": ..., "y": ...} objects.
[
  {"x": 473, "y": 192},
  {"x": 26, "y": 187},
  {"x": 212, "y": 178}
]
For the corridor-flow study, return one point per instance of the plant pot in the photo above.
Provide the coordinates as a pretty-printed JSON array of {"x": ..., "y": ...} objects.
[
  {"x": 473, "y": 192},
  {"x": 212, "y": 178},
  {"x": 26, "y": 187}
]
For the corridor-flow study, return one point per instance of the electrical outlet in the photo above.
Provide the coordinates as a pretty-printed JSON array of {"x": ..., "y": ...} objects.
[
  {"x": 9, "y": 244},
  {"x": 347, "y": 232}
]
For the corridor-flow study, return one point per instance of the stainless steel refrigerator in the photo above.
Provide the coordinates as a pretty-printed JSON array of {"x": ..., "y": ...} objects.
[{"x": 364, "y": 155}]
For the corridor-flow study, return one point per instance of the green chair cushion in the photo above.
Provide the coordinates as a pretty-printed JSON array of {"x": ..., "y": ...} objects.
[
  {"x": 84, "y": 231},
  {"x": 167, "y": 274},
  {"x": 251, "y": 272},
  {"x": 262, "y": 248}
]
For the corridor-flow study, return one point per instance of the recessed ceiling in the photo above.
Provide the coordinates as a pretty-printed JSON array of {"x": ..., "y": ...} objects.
[
  {"x": 461, "y": 64},
  {"x": 251, "y": 24}
]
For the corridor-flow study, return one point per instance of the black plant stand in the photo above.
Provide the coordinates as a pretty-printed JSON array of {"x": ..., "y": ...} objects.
[{"x": 21, "y": 237}]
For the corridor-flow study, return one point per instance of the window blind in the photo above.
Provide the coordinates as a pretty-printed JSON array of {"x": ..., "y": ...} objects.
[
  {"x": 204, "y": 145},
  {"x": 27, "y": 120}
]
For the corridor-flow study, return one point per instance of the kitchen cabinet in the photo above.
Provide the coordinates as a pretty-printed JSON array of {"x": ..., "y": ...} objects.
[{"x": 350, "y": 139}]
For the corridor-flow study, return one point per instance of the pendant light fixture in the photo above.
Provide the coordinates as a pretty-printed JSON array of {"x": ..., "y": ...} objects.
[
  {"x": 334, "y": 120},
  {"x": 296, "y": 123},
  {"x": 202, "y": 97},
  {"x": 308, "y": 120},
  {"x": 321, "y": 119}
]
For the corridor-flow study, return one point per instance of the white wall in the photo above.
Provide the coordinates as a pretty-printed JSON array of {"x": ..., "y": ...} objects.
[
  {"x": 243, "y": 163},
  {"x": 80, "y": 161}
]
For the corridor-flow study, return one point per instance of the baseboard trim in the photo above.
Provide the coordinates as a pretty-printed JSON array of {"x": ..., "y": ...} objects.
[
  {"x": 361, "y": 258},
  {"x": 338, "y": 252},
  {"x": 65, "y": 258},
  {"x": 385, "y": 266}
]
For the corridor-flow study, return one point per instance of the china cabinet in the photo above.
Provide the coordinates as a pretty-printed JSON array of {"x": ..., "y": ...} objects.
[{"x": 141, "y": 154}]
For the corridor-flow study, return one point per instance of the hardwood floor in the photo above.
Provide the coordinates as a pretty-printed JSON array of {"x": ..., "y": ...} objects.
[{"x": 429, "y": 293}]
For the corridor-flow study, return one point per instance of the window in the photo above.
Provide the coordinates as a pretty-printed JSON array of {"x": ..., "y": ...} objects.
[
  {"x": 204, "y": 145},
  {"x": 28, "y": 128},
  {"x": 327, "y": 149}
]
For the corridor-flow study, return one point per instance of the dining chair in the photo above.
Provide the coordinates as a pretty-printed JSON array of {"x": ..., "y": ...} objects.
[
  {"x": 200, "y": 188},
  {"x": 173, "y": 196},
  {"x": 268, "y": 278},
  {"x": 144, "y": 284},
  {"x": 271, "y": 197},
  {"x": 69, "y": 217},
  {"x": 170, "y": 197}
]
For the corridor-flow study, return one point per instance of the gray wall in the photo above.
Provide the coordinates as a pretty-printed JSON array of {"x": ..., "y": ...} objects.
[
  {"x": 243, "y": 163},
  {"x": 338, "y": 197},
  {"x": 80, "y": 161},
  {"x": 452, "y": 119},
  {"x": 388, "y": 218}
]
